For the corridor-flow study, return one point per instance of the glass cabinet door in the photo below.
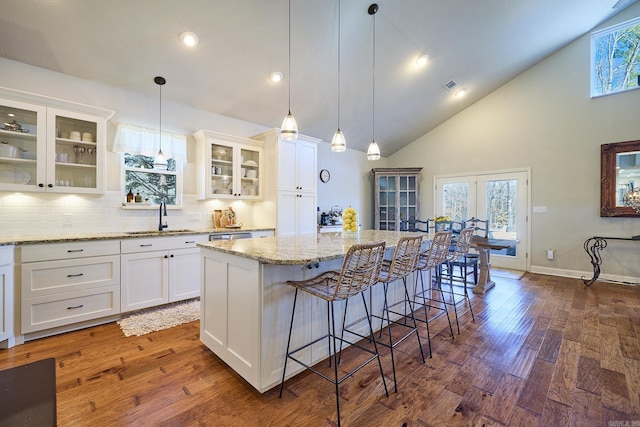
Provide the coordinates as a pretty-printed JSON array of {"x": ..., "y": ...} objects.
[
  {"x": 397, "y": 196},
  {"x": 22, "y": 145},
  {"x": 76, "y": 140},
  {"x": 222, "y": 175},
  {"x": 250, "y": 172}
]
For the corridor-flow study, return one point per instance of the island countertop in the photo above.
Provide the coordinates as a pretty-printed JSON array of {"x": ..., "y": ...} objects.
[{"x": 304, "y": 248}]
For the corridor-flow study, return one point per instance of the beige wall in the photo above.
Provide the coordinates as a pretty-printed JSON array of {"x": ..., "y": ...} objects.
[{"x": 544, "y": 120}]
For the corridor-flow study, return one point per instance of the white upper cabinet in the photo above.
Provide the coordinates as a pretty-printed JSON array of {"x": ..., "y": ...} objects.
[
  {"x": 229, "y": 167},
  {"x": 46, "y": 148}
]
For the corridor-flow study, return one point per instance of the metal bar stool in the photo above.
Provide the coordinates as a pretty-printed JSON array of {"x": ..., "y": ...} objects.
[
  {"x": 360, "y": 269},
  {"x": 402, "y": 264},
  {"x": 457, "y": 258},
  {"x": 432, "y": 259}
]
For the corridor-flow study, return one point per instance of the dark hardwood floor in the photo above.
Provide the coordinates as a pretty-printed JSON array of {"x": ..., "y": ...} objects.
[{"x": 543, "y": 351}]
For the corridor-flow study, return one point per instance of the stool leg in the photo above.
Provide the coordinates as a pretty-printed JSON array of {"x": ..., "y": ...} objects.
[
  {"x": 415, "y": 325},
  {"x": 386, "y": 310},
  {"x": 332, "y": 333},
  {"x": 286, "y": 355},
  {"x": 375, "y": 345}
]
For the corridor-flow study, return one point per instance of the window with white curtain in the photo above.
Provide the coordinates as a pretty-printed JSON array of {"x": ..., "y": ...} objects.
[{"x": 138, "y": 147}]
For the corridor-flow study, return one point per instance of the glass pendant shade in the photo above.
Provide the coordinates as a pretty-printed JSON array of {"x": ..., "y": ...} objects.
[
  {"x": 159, "y": 162},
  {"x": 289, "y": 128},
  {"x": 338, "y": 143},
  {"x": 373, "y": 152}
]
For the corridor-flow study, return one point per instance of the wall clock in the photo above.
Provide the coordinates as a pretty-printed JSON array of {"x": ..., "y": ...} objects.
[{"x": 325, "y": 175}]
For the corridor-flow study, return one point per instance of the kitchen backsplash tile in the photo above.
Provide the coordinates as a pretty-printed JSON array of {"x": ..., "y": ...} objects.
[{"x": 38, "y": 214}]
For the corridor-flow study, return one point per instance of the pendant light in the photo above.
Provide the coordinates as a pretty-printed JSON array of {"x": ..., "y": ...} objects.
[
  {"x": 373, "y": 152},
  {"x": 338, "y": 143},
  {"x": 160, "y": 163},
  {"x": 289, "y": 128}
]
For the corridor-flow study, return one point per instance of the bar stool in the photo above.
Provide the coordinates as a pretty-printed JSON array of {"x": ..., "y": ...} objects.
[
  {"x": 432, "y": 259},
  {"x": 402, "y": 264},
  {"x": 360, "y": 269},
  {"x": 457, "y": 257}
]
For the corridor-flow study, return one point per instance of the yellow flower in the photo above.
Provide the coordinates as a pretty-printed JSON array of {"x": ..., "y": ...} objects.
[{"x": 442, "y": 218}]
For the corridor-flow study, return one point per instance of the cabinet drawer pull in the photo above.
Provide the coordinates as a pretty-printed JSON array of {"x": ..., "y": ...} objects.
[
  {"x": 147, "y": 245},
  {"x": 75, "y": 275},
  {"x": 75, "y": 250},
  {"x": 189, "y": 241},
  {"x": 77, "y": 306}
]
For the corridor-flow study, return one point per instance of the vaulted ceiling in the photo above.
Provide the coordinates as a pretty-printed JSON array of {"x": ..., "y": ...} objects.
[{"x": 479, "y": 44}]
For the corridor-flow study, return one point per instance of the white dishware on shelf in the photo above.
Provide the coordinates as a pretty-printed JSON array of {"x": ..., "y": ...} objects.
[
  {"x": 87, "y": 137},
  {"x": 252, "y": 174},
  {"x": 250, "y": 163},
  {"x": 74, "y": 135}
]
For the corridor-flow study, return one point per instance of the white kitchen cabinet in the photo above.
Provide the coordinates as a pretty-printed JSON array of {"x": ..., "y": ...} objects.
[
  {"x": 261, "y": 233},
  {"x": 290, "y": 184},
  {"x": 60, "y": 146},
  {"x": 67, "y": 283},
  {"x": 6, "y": 297},
  {"x": 229, "y": 167},
  {"x": 294, "y": 213},
  {"x": 159, "y": 270}
]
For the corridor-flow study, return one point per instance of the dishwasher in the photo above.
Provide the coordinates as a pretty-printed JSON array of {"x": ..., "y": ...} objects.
[{"x": 230, "y": 236}]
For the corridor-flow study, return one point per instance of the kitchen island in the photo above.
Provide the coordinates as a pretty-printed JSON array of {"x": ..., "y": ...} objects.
[{"x": 246, "y": 301}]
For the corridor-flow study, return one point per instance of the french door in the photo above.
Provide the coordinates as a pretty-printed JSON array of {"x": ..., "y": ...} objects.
[{"x": 502, "y": 198}]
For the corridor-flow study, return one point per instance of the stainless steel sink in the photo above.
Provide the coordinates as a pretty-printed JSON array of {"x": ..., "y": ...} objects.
[{"x": 133, "y": 233}]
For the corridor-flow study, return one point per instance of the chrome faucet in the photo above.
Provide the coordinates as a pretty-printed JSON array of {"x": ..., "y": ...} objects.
[{"x": 163, "y": 212}]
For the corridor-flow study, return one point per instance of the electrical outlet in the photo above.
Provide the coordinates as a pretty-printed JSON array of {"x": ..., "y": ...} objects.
[
  {"x": 195, "y": 217},
  {"x": 539, "y": 209},
  {"x": 66, "y": 219}
]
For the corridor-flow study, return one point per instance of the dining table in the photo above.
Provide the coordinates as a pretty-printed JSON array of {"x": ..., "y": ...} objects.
[{"x": 484, "y": 246}]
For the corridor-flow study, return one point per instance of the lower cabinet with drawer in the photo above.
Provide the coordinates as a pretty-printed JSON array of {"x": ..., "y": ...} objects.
[
  {"x": 67, "y": 283},
  {"x": 159, "y": 270}
]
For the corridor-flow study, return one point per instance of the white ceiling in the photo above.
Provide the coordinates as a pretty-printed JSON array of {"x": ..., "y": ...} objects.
[{"x": 481, "y": 44}]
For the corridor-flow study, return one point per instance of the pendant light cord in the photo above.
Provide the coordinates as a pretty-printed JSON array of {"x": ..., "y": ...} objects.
[
  {"x": 289, "y": 64},
  {"x": 160, "y": 126},
  {"x": 339, "y": 10},
  {"x": 373, "y": 86}
]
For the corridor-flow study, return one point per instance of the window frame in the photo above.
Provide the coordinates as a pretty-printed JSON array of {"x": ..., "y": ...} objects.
[
  {"x": 178, "y": 173},
  {"x": 595, "y": 36}
]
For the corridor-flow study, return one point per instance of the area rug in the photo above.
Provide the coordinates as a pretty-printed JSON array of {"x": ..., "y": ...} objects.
[
  {"x": 28, "y": 394},
  {"x": 158, "y": 318}
]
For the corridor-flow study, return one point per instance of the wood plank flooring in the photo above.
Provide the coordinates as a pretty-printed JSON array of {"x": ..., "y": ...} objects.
[{"x": 543, "y": 351}]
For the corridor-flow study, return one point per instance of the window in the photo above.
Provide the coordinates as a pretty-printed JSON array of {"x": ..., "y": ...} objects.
[
  {"x": 138, "y": 147},
  {"x": 615, "y": 58},
  {"x": 152, "y": 185}
]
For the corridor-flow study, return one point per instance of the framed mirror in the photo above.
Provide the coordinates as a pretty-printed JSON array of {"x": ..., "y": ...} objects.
[{"x": 619, "y": 174}]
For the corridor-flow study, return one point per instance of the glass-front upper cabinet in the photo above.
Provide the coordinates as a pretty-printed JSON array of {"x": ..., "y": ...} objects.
[
  {"x": 78, "y": 145},
  {"x": 22, "y": 145},
  {"x": 230, "y": 167},
  {"x": 396, "y": 195},
  {"x": 43, "y": 148}
]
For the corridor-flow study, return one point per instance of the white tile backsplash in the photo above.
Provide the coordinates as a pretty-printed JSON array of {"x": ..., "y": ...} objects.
[{"x": 25, "y": 214}]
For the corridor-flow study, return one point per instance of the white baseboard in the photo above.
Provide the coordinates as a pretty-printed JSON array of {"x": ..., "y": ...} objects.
[{"x": 627, "y": 280}]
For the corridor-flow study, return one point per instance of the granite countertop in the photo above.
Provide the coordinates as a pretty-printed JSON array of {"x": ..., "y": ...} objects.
[
  {"x": 305, "y": 248},
  {"x": 113, "y": 235}
]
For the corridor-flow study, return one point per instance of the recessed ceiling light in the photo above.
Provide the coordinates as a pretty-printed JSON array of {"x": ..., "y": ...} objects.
[
  {"x": 461, "y": 93},
  {"x": 276, "y": 76},
  {"x": 11, "y": 115},
  {"x": 422, "y": 59},
  {"x": 188, "y": 38}
]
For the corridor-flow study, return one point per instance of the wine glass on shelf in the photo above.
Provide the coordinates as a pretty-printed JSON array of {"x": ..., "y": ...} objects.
[
  {"x": 79, "y": 153},
  {"x": 90, "y": 152}
]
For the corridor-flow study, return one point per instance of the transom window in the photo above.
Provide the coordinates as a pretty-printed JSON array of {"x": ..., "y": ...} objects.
[{"x": 615, "y": 58}]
